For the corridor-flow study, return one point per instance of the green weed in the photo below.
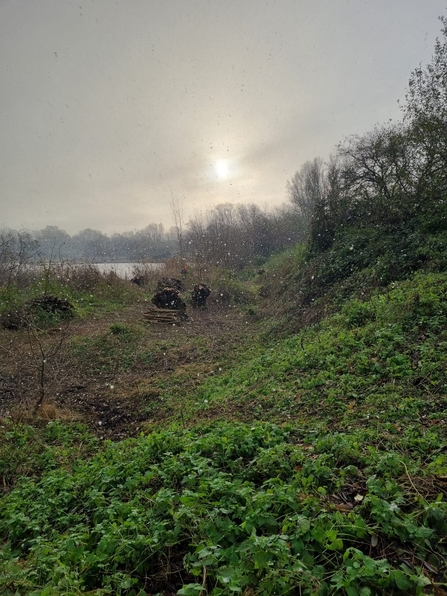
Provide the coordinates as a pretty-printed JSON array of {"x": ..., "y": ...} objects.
[
  {"x": 232, "y": 508},
  {"x": 28, "y": 451}
]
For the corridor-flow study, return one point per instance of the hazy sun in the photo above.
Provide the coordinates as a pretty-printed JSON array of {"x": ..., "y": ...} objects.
[{"x": 221, "y": 168}]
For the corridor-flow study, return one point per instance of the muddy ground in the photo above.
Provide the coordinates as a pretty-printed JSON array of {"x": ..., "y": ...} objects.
[{"x": 118, "y": 400}]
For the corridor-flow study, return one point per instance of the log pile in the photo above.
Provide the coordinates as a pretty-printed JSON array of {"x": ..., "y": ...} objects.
[
  {"x": 164, "y": 315},
  {"x": 169, "y": 298},
  {"x": 170, "y": 282},
  {"x": 167, "y": 305}
]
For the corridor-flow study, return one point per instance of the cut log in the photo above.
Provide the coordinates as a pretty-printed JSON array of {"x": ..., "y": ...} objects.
[{"x": 163, "y": 315}]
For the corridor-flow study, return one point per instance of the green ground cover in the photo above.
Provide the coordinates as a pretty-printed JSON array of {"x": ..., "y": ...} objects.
[
  {"x": 226, "y": 508},
  {"x": 377, "y": 362}
]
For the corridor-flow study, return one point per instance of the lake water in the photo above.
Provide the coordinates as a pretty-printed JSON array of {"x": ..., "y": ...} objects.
[
  {"x": 126, "y": 270},
  {"x": 123, "y": 270}
]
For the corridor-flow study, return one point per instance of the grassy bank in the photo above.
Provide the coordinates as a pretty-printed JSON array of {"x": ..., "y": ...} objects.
[{"x": 375, "y": 361}]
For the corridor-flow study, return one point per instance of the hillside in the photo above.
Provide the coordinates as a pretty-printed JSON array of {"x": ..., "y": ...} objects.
[{"x": 313, "y": 462}]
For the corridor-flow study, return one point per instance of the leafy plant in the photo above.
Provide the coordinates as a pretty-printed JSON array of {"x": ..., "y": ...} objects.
[{"x": 232, "y": 508}]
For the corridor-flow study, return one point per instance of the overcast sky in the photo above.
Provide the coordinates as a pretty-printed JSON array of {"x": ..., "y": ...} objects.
[{"x": 109, "y": 108}]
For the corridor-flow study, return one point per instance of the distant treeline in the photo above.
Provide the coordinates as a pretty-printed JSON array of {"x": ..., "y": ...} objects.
[
  {"x": 227, "y": 235},
  {"x": 151, "y": 243}
]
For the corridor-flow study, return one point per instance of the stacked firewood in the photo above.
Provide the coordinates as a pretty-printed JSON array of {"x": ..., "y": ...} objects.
[{"x": 163, "y": 315}]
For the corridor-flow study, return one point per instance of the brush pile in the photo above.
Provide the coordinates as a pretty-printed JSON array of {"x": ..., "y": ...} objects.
[
  {"x": 40, "y": 307},
  {"x": 169, "y": 298},
  {"x": 170, "y": 282}
]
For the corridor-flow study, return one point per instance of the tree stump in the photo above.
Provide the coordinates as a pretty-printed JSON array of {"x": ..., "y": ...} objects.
[{"x": 199, "y": 295}]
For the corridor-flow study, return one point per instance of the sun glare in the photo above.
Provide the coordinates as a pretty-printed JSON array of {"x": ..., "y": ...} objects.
[{"x": 222, "y": 168}]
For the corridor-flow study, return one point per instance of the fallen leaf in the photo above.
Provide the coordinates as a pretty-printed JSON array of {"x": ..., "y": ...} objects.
[{"x": 344, "y": 507}]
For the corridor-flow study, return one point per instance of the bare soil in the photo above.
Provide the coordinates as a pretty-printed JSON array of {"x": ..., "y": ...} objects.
[{"x": 120, "y": 401}]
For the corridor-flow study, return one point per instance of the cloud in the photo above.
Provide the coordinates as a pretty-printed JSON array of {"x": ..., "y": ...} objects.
[{"x": 106, "y": 111}]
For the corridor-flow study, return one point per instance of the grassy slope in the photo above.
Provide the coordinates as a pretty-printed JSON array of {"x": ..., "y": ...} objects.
[
  {"x": 342, "y": 491},
  {"x": 375, "y": 363}
]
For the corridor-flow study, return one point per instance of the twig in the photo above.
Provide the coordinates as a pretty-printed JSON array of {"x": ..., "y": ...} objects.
[{"x": 203, "y": 581}]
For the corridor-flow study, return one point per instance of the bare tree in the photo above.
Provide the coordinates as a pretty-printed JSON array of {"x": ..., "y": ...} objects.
[
  {"x": 425, "y": 112},
  {"x": 383, "y": 163},
  {"x": 54, "y": 243},
  {"x": 18, "y": 251},
  {"x": 92, "y": 245},
  {"x": 36, "y": 355},
  {"x": 178, "y": 215},
  {"x": 306, "y": 188}
]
